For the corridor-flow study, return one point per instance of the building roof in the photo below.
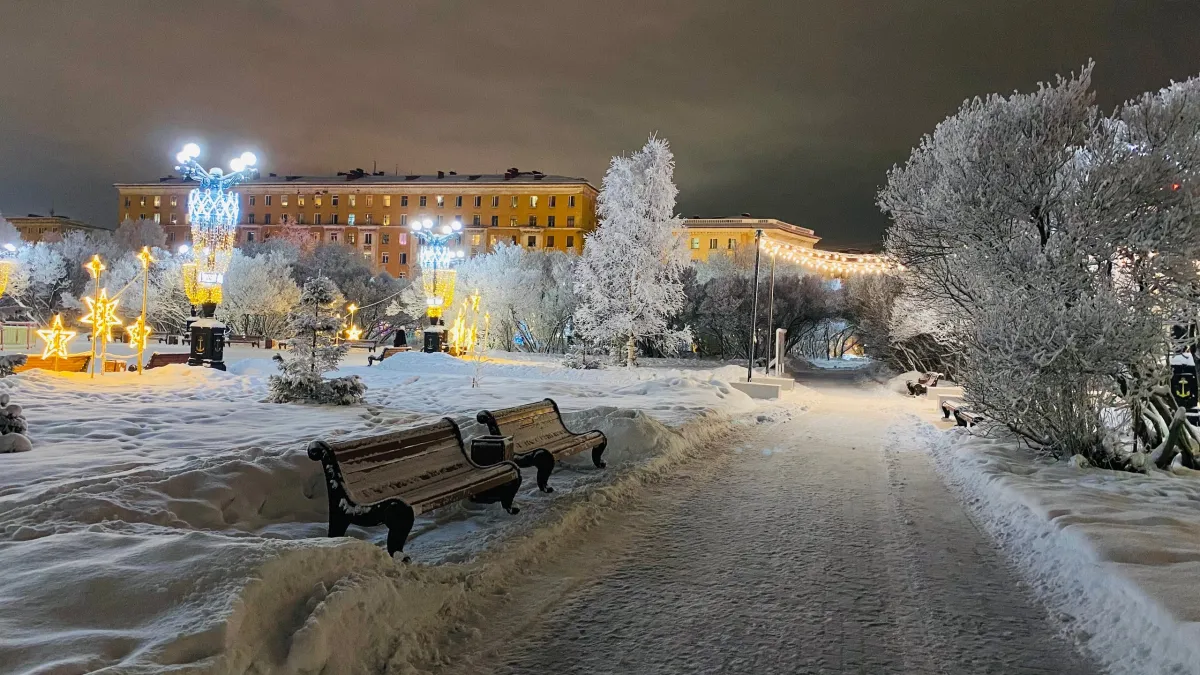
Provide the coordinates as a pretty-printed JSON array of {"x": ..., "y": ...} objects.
[
  {"x": 742, "y": 222},
  {"x": 35, "y": 220},
  {"x": 363, "y": 178}
]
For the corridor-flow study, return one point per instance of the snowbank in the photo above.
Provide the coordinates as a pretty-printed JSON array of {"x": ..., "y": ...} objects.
[
  {"x": 173, "y": 519},
  {"x": 1117, "y": 555}
]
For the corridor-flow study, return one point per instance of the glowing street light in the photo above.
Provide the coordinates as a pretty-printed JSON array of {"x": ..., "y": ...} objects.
[{"x": 437, "y": 261}]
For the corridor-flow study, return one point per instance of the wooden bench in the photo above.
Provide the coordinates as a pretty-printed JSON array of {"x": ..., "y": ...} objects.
[
  {"x": 158, "y": 360},
  {"x": 391, "y": 479},
  {"x": 65, "y": 364},
  {"x": 963, "y": 416},
  {"x": 921, "y": 386},
  {"x": 540, "y": 438},
  {"x": 387, "y": 351},
  {"x": 116, "y": 366},
  {"x": 252, "y": 340}
]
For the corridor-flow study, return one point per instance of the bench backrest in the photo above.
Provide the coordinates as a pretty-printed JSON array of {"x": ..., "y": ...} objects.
[
  {"x": 396, "y": 464},
  {"x": 388, "y": 351},
  {"x": 66, "y": 364},
  {"x": 158, "y": 360},
  {"x": 531, "y": 426}
]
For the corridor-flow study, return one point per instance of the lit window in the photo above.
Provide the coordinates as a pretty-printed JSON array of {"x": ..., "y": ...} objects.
[
  {"x": 157, "y": 218},
  {"x": 550, "y": 241},
  {"x": 267, "y": 200},
  {"x": 385, "y": 258},
  {"x": 283, "y": 200},
  {"x": 570, "y": 221},
  {"x": 533, "y": 221},
  {"x": 370, "y": 199},
  {"x": 532, "y": 240},
  {"x": 424, "y": 201},
  {"x": 475, "y": 239},
  {"x": 300, "y": 200},
  {"x": 512, "y": 222},
  {"x": 333, "y": 236},
  {"x": 571, "y": 201},
  {"x": 174, "y": 201},
  {"x": 441, "y": 201},
  {"x": 458, "y": 202},
  {"x": 495, "y": 201},
  {"x": 349, "y": 219},
  {"x": 403, "y": 220},
  {"x": 553, "y": 201},
  {"x": 549, "y": 221},
  {"x": 514, "y": 201},
  {"x": 174, "y": 218},
  {"x": 366, "y": 237},
  {"x": 404, "y": 200},
  {"x": 142, "y": 200},
  {"x": 187, "y": 217},
  {"x": 712, "y": 243},
  {"x": 403, "y": 238},
  {"x": 495, "y": 221},
  {"x": 367, "y": 218},
  {"x": 387, "y": 219},
  {"x": 350, "y": 238},
  {"x": 475, "y": 220},
  {"x": 318, "y": 200},
  {"x": 387, "y": 200},
  {"x": 478, "y": 201},
  {"x": 570, "y": 241},
  {"x": 353, "y": 200},
  {"x": 250, "y": 218},
  {"x": 266, "y": 219},
  {"x": 695, "y": 242},
  {"x": 251, "y": 198}
]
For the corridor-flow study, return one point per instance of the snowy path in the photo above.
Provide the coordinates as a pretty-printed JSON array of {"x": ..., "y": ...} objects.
[{"x": 824, "y": 543}]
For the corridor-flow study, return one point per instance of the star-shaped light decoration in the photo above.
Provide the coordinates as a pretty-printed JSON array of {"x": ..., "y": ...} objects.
[
  {"x": 139, "y": 333},
  {"x": 56, "y": 338},
  {"x": 102, "y": 312},
  {"x": 353, "y": 333},
  {"x": 95, "y": 267},
  {"x": 144, "y": 256}
]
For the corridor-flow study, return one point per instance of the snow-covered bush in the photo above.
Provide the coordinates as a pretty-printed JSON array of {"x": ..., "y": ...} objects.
[
  {"x": 9, "y": 362},
  {"x": 628, "y": 278},
  {"x": 313, "y": 323},
  {"x": 12, "y": 427},
  {"x": 529, "y": 295}
]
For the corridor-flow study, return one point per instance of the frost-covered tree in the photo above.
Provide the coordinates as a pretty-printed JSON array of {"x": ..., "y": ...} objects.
[
  {"x": 258, "y": 294},
  {"x": 313, "y": 323},
  {"x": 132, "y": 235},
  {"x": 628, "y": 278},
  {"x": 8, "y": 233},
  {"x": 529, "y": 295}
]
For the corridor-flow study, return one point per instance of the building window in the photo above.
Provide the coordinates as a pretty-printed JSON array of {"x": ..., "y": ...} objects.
[
  {"x": 387, "y": 201},
  {"x": 141, "y": 216},
  {"x": 403, "y": 258},
  {"x": 333, "y": 236},
  {"x": 495, "y": 202},
  {"x": 553, "y": 201},
  {"x": 403, "y": 200},
  {"x": 251, "y": 199},
  {"x": 512, "y": 221},
  {"x": 142, "y": 201},
  {"x": 333, "y": 219},
  {"x": 403, "y": 238},
  {"x": 317, "y": 219},
  {"x": 283, "y": 200},
  {"x": 533, "y": 221},
  {"x": 127, "y": 202},
  {"x": 532, "y": 240},
  {"x": 475, "y": 220},
  {"x": 367, "y": 218},
  {"x": 158, "y": 217},
  {"x": 350, "y": 238},
  {"x": 249, "y": 236},
  {"x": 353, "y": 200},
  {"x": 571, "y": 201},
  {"x": 387, "y": 219},
  {"x": 174, "y": 218},
  {"x": 350, "y": 219},
  {"x": 174, "y": 201},
  {"x": 266, "y": 219},
  {"x": 695, "y": 242},
  {"x": 570, "y": 241},
  {"x": 550, "y": 241},
  {"x": 187, "y": 217},
  {"x": 370, "y": 200},
  {"x": 712, "y": 243},
  {"x": 317, "y": 200},
  {"x": 732, "y": 244},
  {"x": 387, "y": 238},
  {"x": 333, "y": 200},
  {"x": 170, "y": 237},
  {"x": 403, "y": 220},
  {"x": 250, "y": 218},
  {"x": 423, "y": 201},
  {"x": 367, "y": 238},
  {"x": 458, "y": 202},
  {"x": 570, "y": 221},
  {"x": 385, "y": 258},
  {"x": 495, "y": 221},
  {"x": 441, "y": 202},
  {"x": 475, "y": 239},
  {"x": 478, "y": 201},
  {"x": 267, "y": 200},
  {"x": 549, "y": 221},
  {"x": 299, "y": 218},
  {"x": 514, "y": 201},
  {"x": 533, "y": 201}
]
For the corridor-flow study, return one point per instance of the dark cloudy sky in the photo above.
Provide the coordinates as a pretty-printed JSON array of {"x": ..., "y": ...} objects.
[{"x": 791, "y": 109}]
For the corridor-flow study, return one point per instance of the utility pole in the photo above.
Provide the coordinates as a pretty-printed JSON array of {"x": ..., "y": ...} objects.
[
  {"x": 754, "y": 311},
  {"x": 770, "y": 317}
]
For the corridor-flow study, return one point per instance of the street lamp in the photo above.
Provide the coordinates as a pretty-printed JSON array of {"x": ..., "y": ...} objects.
[
  {"x": 754, "y": 311},
  {"x": 437, "y": 261}
]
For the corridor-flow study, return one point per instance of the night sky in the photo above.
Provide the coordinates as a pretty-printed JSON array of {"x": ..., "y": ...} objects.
[{"x": 792, "y": 109}]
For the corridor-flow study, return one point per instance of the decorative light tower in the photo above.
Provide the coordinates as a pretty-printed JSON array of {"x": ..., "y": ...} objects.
[
  {"x": 213, "y": 212},
  {"x": 437, "y": 261}
]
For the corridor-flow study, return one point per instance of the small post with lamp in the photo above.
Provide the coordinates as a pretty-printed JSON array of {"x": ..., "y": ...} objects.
[
  {"x": 754, "y": 310},
  {"x": 138, "y": 331},
  {"x": 437, "y": 262},
  {"x": 771, "y": 311},
  {"x": 353, "y": 332}
]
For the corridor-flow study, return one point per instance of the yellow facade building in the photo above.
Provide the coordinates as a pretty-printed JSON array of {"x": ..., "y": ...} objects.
[
  {"x": 725, "y": 236},
  {"x": 34, "y": 228},
  {"x": 372, "y": 212}
]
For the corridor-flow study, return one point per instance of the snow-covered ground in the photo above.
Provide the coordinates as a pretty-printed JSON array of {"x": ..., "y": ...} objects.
[
  {"x": 173, "y": 517},
  {"x": 1116, "y": 555}
]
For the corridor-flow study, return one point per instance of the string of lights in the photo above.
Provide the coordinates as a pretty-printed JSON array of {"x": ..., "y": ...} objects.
[{"x": 832, "y": 261}]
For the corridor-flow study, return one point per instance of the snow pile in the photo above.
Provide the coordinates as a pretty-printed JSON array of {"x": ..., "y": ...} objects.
[
  {"x": 1115, "y": 554},
  {"x": 173, "y": 518}
]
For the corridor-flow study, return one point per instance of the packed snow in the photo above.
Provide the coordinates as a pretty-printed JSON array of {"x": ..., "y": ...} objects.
[
  {"x": 1116, "y": 554},
  {"x": 173, "y": 517}
]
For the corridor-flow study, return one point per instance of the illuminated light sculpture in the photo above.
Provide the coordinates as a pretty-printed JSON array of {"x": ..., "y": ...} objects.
[
  {"x": 138, "y": 331},
  {"x": 437, "y": 261},
  {"x": 213, "y": 211},
  {"x": 56, "y": 338},
  {"x": 464, "y": 330},
  {"x": 833, "y": 262},
  {"x": 102, "y": 314},
  {"x": 353, "y": 332}
]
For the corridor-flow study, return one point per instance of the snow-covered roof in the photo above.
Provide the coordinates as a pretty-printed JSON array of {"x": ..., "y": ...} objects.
[{"x": 367, "y": 179}]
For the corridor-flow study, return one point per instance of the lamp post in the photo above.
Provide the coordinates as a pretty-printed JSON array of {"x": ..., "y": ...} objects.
[
  {"x": 771, "y": 313},
  {"x": 213, "y": 211},
  {"x": 437, "y": 261},
  {"x": 754, "y": 309}
]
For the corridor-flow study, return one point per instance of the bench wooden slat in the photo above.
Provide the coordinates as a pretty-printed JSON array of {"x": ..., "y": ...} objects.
[
  {"x": 540, "y": 438},
  {"x": 66, "y": 364}
]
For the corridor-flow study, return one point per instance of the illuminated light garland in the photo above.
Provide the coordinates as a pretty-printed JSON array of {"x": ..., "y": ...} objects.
[
  {"x": 463, "y": 337},
  {"x": 139, "y": 333},
  {"x": 102, "y": 314},
  {"x": 5, "y": 269},
  {"x": 196, "y": 292},
  {"x": 56, "y": 338},
  {"x": 831, "y": 261}
]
